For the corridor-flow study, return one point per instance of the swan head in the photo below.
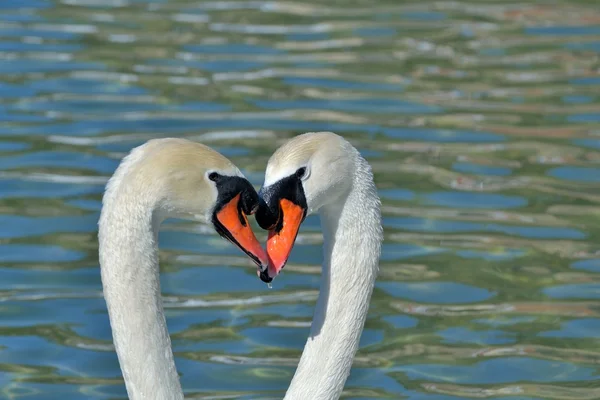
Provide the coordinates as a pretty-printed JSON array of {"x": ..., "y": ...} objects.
[
  {"x": 190, "y": 180},
  {"x": 307, "y": 173}
]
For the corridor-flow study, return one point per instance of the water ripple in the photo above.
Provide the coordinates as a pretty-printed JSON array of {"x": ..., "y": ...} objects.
[{"x": 480, "y": 121}]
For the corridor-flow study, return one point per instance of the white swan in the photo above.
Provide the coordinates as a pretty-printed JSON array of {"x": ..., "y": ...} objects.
[
  {"x": 162, "y": 178},
  {"x": 322, "y": 172}
]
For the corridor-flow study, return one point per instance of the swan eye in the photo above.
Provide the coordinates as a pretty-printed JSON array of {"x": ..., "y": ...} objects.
[
  {"x": 301, "y": 172},
  {"x": 213, "y": 176}
]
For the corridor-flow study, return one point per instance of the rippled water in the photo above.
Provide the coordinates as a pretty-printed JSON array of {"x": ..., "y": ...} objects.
[{"x": 481, "y": 121}]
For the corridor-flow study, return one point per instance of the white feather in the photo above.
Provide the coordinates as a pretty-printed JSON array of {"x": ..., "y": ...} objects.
[{"x": 341, "y": 189}]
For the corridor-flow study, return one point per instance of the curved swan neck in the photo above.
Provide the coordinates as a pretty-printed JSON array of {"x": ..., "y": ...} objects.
[
  {"x": 130, "y": 277},
  {"x": 352, "y": 241}
]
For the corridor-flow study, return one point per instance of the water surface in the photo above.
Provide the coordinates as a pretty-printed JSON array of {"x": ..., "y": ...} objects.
[{"x": 481, "y": 122}]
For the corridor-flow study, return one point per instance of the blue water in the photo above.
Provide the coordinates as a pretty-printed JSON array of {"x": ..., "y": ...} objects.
[{"x": 481, "y": 123}]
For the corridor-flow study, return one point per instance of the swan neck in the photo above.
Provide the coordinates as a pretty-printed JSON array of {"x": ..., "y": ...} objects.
[
  {"x": 128, "y": 231},
  {"x": 352, "y": 240}
]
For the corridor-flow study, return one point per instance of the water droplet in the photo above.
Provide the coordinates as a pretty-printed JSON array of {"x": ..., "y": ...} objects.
[{"x": 269, "y": 285}]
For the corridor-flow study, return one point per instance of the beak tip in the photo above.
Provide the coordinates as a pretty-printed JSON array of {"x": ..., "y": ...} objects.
[{"x": 264, "y": 276}]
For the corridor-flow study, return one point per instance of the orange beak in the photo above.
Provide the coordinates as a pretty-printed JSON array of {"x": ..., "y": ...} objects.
[
  {"x": 235, "y": 228},
  {"x": 280, "y": 244}
]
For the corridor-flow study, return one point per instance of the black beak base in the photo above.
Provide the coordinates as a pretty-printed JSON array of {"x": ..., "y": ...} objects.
[
  {"x": 269, "y": 215},
  {"x": 229, "y": 186},
  {"x": 268, "y": 212}
]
